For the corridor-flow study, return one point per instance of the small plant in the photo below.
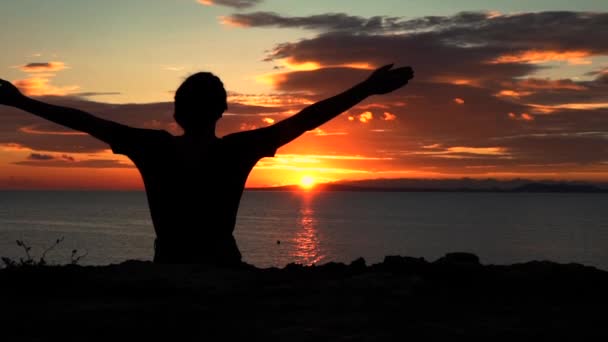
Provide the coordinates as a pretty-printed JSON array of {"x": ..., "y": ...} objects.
[
  {"x": 31, "y": 261},
  {"x": 75, "y": 257}
]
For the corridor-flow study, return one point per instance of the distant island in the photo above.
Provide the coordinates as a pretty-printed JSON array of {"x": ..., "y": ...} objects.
[{"x": 451, "y": 185}]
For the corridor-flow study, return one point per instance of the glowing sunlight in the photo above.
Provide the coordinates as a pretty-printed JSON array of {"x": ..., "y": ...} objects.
[{"x": 307, "y": 182}]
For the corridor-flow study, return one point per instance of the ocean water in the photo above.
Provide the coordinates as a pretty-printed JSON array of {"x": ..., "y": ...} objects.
[{"x": 277, "y": 228}]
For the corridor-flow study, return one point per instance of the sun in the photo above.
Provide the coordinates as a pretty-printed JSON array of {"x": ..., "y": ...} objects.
[{"x": 307, "y": 182}]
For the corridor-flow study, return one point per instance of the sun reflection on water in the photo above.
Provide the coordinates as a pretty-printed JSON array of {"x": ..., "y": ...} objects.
[{"x": 307, "y": 251}]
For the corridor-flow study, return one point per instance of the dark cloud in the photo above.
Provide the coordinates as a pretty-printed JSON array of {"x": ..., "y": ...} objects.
[
  {"x": 39, "y": 156},
  {"x": 91, "y": 94},
  {"x": 239, "y": 4},
  {"x": 356, "y": 24},
  {"x": 432, "y": 59},
  {"x": 89, "y": 163},
  {"x": 43, "y": 67},
  {"x": 329, "y": 22},
  {"x": 551, "y": 30},
  {"x": 64, "y": 160}
]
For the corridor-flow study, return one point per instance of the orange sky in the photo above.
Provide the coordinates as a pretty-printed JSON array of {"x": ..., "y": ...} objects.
[{"x": 489, "y": 100}]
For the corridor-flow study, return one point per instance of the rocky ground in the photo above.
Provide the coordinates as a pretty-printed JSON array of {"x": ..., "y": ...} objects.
[{"x": 398, "y": 299}]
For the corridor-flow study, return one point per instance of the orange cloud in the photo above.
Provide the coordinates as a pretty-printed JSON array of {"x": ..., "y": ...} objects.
[
  {"x": 464, "y": 152},
  {"x": 271, "y": 79},
  {"x": 322, "y": 133},
  {"x": 315, "y": 158},
  {"x": 547, "y": 109},
  {"x": 230, "y": 3},
  {"x": 231, "y": 21},
  {"x": 456, "y": 80},
  {"x": 522, "y": 116},
  {"x": 359, "y": 65},
  {"x": 535, "y": 83},
  {"x": 247, "y": 126},
  {"x": 365, "y": 117},
  {"x": 459, "y": 101},
  {"x": 543, "y": 56},
  {"x": 299, "y": 66},
  {"x": 432, "y": 146},
  {"x": 293, "y": 65},
  {"x": 492, "y": 151},
  {"x": 527, "y": 117},
  {"x": 39, "y": 86},
  {"x": 389, "y": 116},
  {"x": 43, "y": 67},
  {"x": 269, "y": 121},
  {"x": 32, "y": 130},
  {"x": 513, "y": 93},
  {"x": 374, "y": 106},
  {"x": 268, "y": 100}
]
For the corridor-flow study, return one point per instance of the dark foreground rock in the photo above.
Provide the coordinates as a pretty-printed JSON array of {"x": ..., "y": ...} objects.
[{"x": 402, "y": 298}]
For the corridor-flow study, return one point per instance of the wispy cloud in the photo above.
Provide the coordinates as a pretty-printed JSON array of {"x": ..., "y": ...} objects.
[{"x": 239, "y": 4}]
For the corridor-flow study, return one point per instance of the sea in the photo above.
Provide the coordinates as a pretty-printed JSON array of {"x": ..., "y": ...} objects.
[{"x": 307, "y": 227}]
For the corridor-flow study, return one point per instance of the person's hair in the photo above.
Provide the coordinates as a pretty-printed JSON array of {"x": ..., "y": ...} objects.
[{"x": 201, "y": 93}]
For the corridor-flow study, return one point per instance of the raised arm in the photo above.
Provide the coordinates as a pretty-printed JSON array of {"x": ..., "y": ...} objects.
[
  {"x": 382, "y": 81},
  {"x": 68, "y": 117}
]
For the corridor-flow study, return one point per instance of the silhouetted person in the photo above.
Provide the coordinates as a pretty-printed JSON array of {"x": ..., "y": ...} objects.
[{"x": 194, "y": 182}]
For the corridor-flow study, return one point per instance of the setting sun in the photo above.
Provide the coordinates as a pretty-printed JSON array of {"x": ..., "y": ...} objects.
[{"x": 307, "y": 182}]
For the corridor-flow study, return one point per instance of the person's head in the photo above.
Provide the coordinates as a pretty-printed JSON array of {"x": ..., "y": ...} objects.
[{"x": 200, "y": 101}]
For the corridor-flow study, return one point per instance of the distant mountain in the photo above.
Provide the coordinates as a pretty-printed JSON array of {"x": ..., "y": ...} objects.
[
  {"x": 451, "y": 185},
  {"x": 543, "y": 187}
]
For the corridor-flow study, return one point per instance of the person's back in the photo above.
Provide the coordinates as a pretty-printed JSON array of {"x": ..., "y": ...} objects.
[
  {"x": 193, "y": 191},
  {"x": 194, "y": 182}
]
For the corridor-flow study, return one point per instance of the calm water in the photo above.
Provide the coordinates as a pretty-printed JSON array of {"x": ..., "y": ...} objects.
[{"x": 321, "y": 227}]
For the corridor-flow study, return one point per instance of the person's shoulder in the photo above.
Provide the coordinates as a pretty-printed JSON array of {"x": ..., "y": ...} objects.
[
  {"x": 145, "y": 136},
  {"x": 256, "y": 142},
  {"x": 245, "y": 136}
]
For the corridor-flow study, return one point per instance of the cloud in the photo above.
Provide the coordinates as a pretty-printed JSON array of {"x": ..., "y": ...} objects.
[
  {"x": 330, "y": 21},
  {"x": 558, "y": 35},
  {"x": 43, "y": 67},
  {"x": 38, "y": 156},
  {"x": 522, "y": 116},
  {"x": 492, "y": 151},
  {"x": 239, "y": 4},
  {"x": 90, "y": 163},
  {"x": 366, "y": 117},
  {"x": 513, "y": 93},
  {"x": 40, "y": 86},
  {"x": 387, "y": 116},
  {"x": 91, "y": 94},
  {"x": 39, "y": 82},
  {"x": 346, "y": 22},
  {"x": 64, "y": 160},
  {"x": 541, "y": 56},
  {"x": 548, "y": 84}
]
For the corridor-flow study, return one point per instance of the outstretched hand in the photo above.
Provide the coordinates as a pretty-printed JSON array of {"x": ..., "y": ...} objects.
[
  {"x": 9, "y": 94},
  {"x": 385, "y": 79}
]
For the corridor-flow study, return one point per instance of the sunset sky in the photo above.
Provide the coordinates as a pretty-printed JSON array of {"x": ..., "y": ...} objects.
[{"x": 503, "y": 89}]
